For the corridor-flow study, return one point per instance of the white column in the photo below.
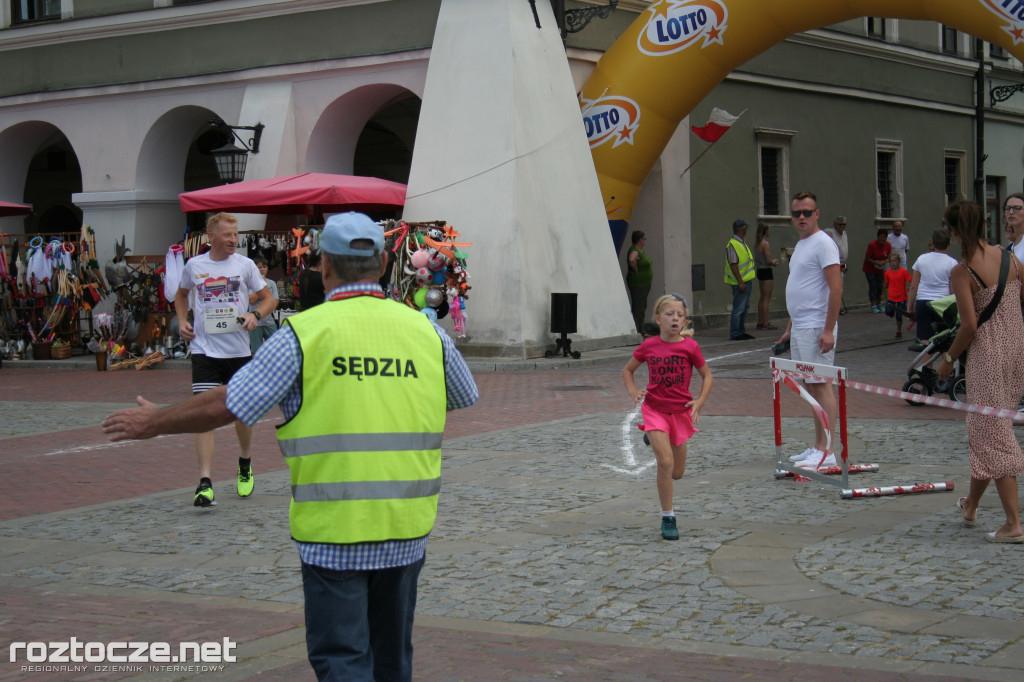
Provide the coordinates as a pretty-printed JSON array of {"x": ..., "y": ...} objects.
[
  {"x": 677, "y": 249},
  {"x": 149, "y": 221},
  {"x": 271, "y": 105}
]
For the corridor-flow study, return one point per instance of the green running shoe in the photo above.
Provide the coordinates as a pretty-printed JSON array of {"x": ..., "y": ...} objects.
[
  {"x": 246, "y": 482},
  {"x": 668, "y": 528},
  {"x": 204, "y": 495}
]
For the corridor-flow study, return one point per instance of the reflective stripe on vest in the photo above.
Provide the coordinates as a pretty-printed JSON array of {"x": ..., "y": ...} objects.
[
  {"x": 745, "y": 262},
  {"x": 364, "y": 447},
  {"x": 366, "y": 490},
  {"x": 359, "y": 442}
]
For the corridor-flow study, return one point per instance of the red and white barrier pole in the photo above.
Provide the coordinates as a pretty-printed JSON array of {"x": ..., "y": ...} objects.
[
  {"x": 850, "y": 494},
  {"x": 831, "y": 471}
]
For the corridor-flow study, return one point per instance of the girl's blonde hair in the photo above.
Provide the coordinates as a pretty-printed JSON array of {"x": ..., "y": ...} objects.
[{"x": 675, "y": 298}]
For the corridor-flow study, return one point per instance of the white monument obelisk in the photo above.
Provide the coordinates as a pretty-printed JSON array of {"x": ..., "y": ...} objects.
[{"x": 502, "y": 156}]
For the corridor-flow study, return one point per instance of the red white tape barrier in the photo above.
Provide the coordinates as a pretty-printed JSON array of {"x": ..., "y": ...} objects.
[
  {"x": 986, "y": 410},
  {"x": 819, "y": 412}
]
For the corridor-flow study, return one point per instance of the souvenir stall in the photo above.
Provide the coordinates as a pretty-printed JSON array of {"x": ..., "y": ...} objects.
[
  {"x": 308, "y": 194},
  {"x": 429, "y": 271},
  {"x": 143, "y": 328},
  {"x": 48, "y": 287},
  {"x": 139, "y": 332}
]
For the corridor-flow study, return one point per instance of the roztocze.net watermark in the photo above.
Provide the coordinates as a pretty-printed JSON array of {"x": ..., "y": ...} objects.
[{"x": 122, "y": 656}]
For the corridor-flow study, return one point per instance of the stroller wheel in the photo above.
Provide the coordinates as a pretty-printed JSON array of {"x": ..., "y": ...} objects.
[
  {"x": 916, "y": 386},
  {"x": 958, "y": 391}
]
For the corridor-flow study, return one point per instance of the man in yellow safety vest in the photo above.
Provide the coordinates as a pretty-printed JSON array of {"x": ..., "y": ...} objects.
[
  {"x": 364, "y": 383},
  {"x": 739, "y": 270}
]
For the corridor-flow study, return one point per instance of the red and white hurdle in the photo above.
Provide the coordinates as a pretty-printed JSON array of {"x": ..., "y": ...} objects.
[{"x": 785, "y": 372}]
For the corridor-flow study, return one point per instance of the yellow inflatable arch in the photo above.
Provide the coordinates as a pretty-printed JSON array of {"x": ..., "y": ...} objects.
[{"x": 677, "y": 51}]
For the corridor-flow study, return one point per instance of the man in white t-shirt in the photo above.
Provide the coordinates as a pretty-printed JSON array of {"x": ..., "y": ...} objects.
[
  {"x": 838, "y": 234},
  {"x": 216, "y": 286},
  {"x": 930, "y": 281},
  {"x": 814, "y": 291},
  {"x": 900, "y": 242}
]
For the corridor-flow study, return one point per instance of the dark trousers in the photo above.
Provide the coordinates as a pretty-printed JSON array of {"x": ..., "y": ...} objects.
[
  {"x": 875, "y": 284},
  {"x": 359, "y": 623},
  {"x": 740, "y": 306},
  {"x": 638, "y": 305},
  {"x": 926, "y": 320}
]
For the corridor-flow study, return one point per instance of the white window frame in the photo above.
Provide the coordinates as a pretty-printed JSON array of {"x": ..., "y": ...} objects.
[
  {"x": 774, "y": 138},
  {"x": 961, "y": 156},
  {"x": 894, "y": 147}
]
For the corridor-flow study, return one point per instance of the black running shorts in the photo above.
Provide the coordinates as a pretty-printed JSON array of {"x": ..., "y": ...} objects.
[{"x": 209, "y": 373}]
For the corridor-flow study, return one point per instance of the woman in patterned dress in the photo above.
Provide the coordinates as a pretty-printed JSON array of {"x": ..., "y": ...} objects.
[{"x": 995, "y": 365}]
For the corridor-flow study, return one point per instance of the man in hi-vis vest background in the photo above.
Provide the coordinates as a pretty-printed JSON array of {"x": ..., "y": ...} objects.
[
  {"x": 364, "y": 383},
  {"x": 739, "y": 271}
]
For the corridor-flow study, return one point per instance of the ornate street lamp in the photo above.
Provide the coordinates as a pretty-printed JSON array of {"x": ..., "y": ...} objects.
[
  {"x": 577, "y": 19},
  {"x": 1001, "y": 93},
  {"x": 229, "y": 159}
]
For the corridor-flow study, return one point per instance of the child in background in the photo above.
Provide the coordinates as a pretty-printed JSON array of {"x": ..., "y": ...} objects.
[
  {"x": 268, "y": 325},
  {"x": 669, "y": 410},
  {"x": 896, "y": 280}
]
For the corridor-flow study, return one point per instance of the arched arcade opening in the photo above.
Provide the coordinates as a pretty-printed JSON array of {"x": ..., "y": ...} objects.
[{"x": 40, "y": 169}]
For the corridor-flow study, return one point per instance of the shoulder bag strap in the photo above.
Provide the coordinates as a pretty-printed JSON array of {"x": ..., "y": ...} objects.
[{"x": 1004, "y": 270}]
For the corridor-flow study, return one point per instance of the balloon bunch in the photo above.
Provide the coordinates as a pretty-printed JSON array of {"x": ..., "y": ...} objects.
[{"x": 429, "y": 271}]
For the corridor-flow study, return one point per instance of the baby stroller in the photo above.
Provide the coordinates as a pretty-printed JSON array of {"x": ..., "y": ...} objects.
[{"x": 921, "y": 377}]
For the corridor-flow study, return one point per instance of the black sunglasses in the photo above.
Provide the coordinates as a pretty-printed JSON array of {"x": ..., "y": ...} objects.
[
  {"x": 806, "y": 212},
  {"x": 682, "y": 298}
]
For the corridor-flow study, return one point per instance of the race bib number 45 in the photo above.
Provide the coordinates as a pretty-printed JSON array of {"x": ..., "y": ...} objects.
[{"x": 221, "y": 320}]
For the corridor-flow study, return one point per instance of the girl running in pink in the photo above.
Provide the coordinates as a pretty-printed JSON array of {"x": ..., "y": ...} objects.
[{"x": 669, "y": 410}]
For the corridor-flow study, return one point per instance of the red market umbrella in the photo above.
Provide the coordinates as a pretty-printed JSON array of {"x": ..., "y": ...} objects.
[
  {"x": 8, "y": 209},
  {"x": 299, "y": 194}
]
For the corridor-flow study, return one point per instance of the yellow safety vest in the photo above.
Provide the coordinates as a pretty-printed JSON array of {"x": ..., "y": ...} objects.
[
  {"x": 364, "y": 448},
  {"x": 745, "y": 263}
]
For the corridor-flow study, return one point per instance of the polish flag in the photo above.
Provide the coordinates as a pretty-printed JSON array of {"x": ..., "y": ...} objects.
[{"x": 718, "y": 123}]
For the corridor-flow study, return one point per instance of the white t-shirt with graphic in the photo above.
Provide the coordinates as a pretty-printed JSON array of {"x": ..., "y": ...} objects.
[{"x": 218, "y": 294}]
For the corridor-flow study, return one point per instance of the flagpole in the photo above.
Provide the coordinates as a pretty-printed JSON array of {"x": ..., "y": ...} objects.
[{"x": 698, "y": 157}]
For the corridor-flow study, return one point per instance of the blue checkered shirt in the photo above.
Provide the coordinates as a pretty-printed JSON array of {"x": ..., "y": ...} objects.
[{"x": 274, "y": 377}]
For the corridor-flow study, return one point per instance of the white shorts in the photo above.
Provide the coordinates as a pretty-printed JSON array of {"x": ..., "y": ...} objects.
[{"x": 803, "y": 347}]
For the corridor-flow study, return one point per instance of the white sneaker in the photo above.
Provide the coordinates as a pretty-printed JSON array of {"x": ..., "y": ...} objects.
[
  {"x": 815, "y": 461},
  {"x": 803, "y": 455},
  {"x": 811, "y": 459}
]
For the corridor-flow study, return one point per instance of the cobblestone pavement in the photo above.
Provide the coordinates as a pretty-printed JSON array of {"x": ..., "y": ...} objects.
[{"x": 546, "y": 562}]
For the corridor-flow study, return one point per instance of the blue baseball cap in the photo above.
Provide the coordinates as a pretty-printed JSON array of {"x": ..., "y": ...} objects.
[{"x": 342, "y": 229}]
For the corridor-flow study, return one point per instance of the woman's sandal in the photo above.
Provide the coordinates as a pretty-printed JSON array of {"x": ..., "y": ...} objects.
[
  {"x": 1015, "y": 539},
  {"x": 970, "y": 523}
]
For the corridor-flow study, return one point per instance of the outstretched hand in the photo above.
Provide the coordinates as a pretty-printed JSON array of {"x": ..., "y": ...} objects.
[{"x": 132, "y": 424}]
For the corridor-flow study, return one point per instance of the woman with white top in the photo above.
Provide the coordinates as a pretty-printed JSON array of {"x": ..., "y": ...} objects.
[{"x": 930, "y": 281}]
